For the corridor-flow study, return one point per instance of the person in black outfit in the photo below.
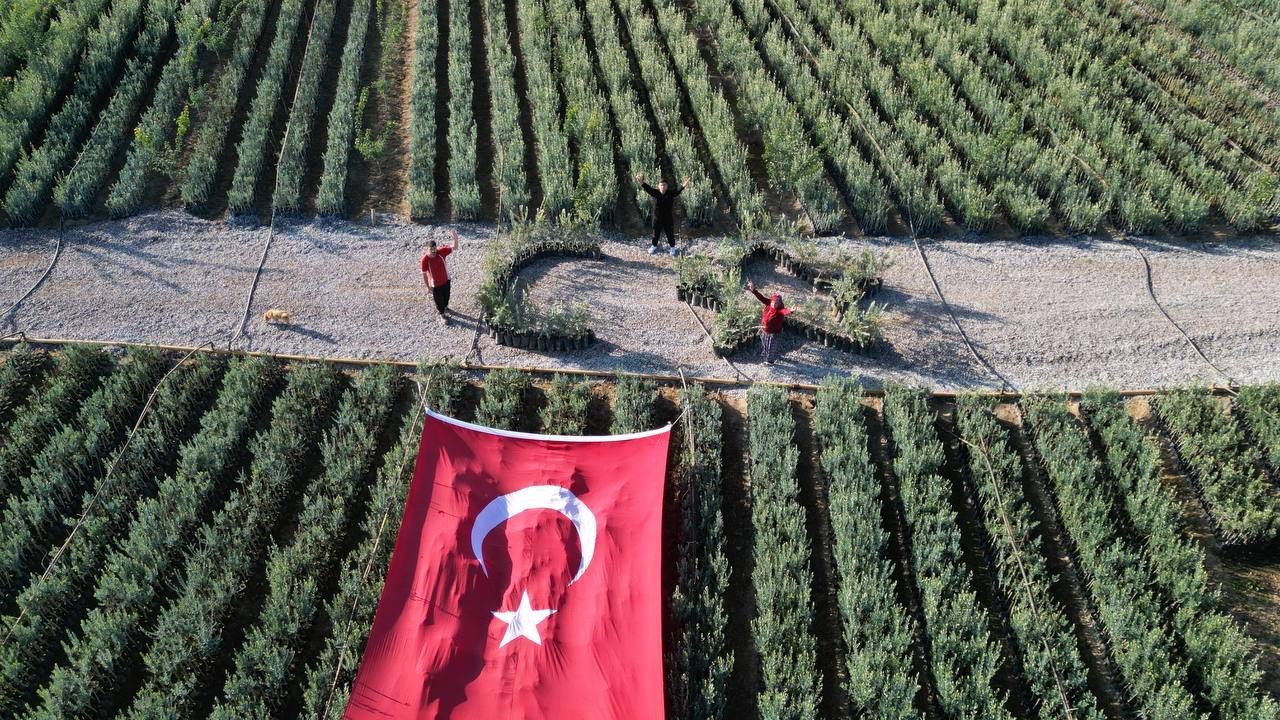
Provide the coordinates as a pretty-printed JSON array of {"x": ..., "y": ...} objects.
[{"x": 664, "y": 202}]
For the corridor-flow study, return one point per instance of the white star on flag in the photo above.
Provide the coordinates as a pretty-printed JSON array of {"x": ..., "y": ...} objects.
[{"x": 523, "y": 622}]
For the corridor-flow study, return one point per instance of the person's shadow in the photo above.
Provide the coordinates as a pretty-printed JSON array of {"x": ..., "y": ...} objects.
[{"x": 462, "y": 320}]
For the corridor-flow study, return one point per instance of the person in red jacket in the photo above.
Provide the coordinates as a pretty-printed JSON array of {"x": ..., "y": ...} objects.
[
  {"x": 770, "y": 321},
  {"x": 436, "y": 275}
]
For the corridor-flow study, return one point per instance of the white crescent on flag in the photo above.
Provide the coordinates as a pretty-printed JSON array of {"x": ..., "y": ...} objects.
[{"x": 537, "y": 497}]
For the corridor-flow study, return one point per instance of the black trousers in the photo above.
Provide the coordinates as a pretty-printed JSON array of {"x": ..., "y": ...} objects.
[
  {"x": 664, "y": 225},
  {"x": 440, "y": 294}
]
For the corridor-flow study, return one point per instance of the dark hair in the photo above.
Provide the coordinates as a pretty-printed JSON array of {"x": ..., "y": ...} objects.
[{"x": 431, "y": 243}]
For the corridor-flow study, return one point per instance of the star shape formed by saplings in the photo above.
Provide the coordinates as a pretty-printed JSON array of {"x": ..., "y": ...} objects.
[{"x": 523, "y": 621}]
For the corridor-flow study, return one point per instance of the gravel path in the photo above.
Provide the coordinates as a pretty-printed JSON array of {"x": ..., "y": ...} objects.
[{"x": 1043, "y": 313}]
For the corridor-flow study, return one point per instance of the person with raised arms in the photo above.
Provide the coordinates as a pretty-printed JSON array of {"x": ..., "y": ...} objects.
[
  {"x": 770, "y": 322},
  {"x": 436, "y": 275},
  {"x": 664, "y": 201}
]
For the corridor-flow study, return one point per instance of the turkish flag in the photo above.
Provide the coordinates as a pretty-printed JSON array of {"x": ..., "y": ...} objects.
[{"x": 525, "y": 582}]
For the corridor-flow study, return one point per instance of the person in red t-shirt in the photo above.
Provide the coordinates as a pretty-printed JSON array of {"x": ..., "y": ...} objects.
[
  {"x": 436, "y": 275},
  {"x": 770, "y": 321}
]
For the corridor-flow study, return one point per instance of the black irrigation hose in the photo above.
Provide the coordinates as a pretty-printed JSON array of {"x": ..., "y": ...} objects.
[
  {"x": 9, "y": 312},
  {"x": 1152, "y": 293},
  {"x": 955, "y": 321},
  {"x": 257, "y": 274}
]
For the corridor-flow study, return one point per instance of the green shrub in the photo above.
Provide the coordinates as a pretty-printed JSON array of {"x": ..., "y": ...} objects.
[
  {"x": 106, "y": 48},
  {"x": 228, "y": 550},
  {"x": 699, "y": 665},
  {"x": 587, "y": 120},
  {"x": 37, "y": 86},
  {"x": 502, "y": 404},
  {"x": 877, "y": 632},
  {"x": 782, "y": 627},
  {"x": 441, "y": 384},
  {"x": 22, "y": 28},
  {"x": 164, "y": 125},
  {"x": 555, "y": 166},
  {"x": 509, "y": 172},
  {"x": 566, "y": 410},
  {"x": 76, "y": 191},
  {"x": 633, "y": 403}
]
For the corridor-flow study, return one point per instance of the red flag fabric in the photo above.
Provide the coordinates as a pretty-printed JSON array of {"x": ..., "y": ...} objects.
[{"x": 525, "y": 582}]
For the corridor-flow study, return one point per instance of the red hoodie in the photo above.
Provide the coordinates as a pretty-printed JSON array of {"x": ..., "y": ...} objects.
[{"x": 771, "y": 321}]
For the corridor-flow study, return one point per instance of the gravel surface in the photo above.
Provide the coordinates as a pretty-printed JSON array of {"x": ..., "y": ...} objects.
[{"x": 1043, "y": 313}]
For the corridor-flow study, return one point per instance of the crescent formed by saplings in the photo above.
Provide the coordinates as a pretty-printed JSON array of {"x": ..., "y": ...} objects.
[{"x": 537, "y": 497}]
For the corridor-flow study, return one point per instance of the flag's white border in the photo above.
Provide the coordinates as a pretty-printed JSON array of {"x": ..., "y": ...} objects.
[{"x": 536, "y": 436}]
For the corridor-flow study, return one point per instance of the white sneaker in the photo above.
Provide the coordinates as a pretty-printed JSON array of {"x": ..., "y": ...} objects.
[
  {"x": 674, "y": 251},
  {"x": 653, "y": 249}
]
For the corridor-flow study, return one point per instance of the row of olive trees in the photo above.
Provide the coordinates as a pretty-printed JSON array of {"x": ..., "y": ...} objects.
[
  {"x": 509, "y": 173},
  {"x": 212, "y": 137},
  {"x": 49, "y": 600},
  {"x": 67, "y": 466},
  {"x": 1050, "y": 659},
  {"x": 1226, "y": 467},
  {"x": 963, "y": 657},
  {"x": 291, "y": 168},
  {"x": 878, "y": 633},
  {"x": 918, "y": 159},
  {"x": 793, "y": 160},
  {"x": 1116, "y": 577},
  {"x": 349, "y": 611},
  {"x": 665, "y": 48},
  {"x": 1218, "y": 652},
  {"x": 270, "y": 97},
  {"x": 106, "y": 50},
  {"x": 295, "y": 570},
  {"x": 119, "y": 125},
  {"x": 782, "y": 629},
  {"x": 586, "y": 115},
  {"x": 51, "y": 68},
  {"x": 153, "y": 143},
  {"x": 227, "y": 551},
  {"x": 130, "y": 583},
  {"x": 344, "y": 116},
  {"x": 75, "y": 375}
]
